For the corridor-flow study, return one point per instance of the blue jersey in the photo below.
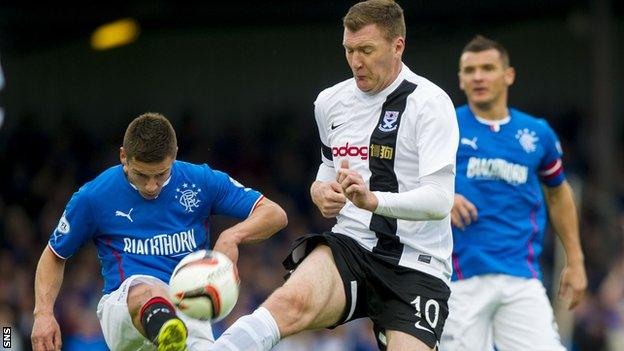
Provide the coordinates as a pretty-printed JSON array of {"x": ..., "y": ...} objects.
[
  {"x": 138, "y": 236},
  {"x": 499, "y": 170}
]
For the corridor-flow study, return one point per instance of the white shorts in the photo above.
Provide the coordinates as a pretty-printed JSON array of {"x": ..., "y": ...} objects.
[
  {"x": 510, "y": 312},
  {"x": 120, "y": 333}
]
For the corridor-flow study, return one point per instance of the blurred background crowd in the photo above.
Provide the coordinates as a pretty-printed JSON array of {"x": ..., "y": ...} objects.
[{"x": 238, "y": 82}]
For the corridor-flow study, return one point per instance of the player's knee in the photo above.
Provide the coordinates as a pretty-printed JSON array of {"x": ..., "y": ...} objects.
[
  {"x": 139, "y": 294},
  {"x": 294, "y": 309}
]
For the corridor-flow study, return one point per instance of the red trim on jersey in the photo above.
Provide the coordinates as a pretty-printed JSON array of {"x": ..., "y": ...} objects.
[
  {"x": 255, "y": 204},
  {"x": 552, "y": 170},
  {"x": 531, "y": 253},
  {"x": 207, "y": 226},
  {"x": 458, "y": 271},
  {"x": 118, "y": 257},
  {"x": 56, "y": 253}
]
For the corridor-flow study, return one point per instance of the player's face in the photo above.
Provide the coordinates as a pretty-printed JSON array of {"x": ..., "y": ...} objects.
[
  {"x": 375, "y": 62},
  {"x": 485, "y": 78},
  {"x": 148, "y": 178}
]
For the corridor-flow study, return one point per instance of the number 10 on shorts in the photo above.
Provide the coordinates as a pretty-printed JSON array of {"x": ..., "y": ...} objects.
[{"x": 430, "y": 308}]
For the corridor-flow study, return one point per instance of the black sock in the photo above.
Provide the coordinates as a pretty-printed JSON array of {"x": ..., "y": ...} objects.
[{"x": 154, "y": 314}]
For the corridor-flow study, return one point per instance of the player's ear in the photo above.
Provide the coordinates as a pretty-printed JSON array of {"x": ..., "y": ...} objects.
[
  {"x": 399, "y": 46},
  {"x": 122, "y": 157},
  {"x": 510, "y": 75},
  {"x": 462, "y": 86}
]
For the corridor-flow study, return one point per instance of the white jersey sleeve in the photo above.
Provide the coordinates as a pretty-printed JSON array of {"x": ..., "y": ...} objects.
[
  {"x": 432, "y": 200},
  {"x": 326, "y": 171},
  {"x": 437, "y": 135}
]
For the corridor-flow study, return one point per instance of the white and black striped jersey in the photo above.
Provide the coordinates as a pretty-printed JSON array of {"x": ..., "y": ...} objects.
[{"x": 392, "y": 138}]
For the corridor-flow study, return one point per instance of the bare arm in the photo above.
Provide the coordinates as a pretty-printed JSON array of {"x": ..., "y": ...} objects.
[
  {"x": 46, "y": 334},
  {"x": 562, "y": 211},
  {"x": 463, "y": 212},
  {"x": 265, "y": 220}
]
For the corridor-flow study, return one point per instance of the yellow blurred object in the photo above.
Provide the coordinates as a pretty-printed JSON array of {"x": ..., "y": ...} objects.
[{"x": 114, "y": 34}]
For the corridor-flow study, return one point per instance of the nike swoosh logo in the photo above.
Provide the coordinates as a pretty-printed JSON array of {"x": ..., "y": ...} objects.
[
  {"x": 334, "y": 126},
  {"x": 418, "y": 326}
]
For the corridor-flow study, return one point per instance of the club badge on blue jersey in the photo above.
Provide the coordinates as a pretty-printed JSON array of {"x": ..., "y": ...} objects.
[
  {"x": 527, "y": 139},
  {"x": 188, "y": 196}
]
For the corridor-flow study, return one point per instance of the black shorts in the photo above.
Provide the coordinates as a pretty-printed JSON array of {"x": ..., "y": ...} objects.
[{"x": 393, "y": 297}]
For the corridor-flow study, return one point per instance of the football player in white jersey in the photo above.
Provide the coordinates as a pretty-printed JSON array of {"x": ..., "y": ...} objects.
[
  {"x": 144, "y": 216},
  {"x": 389, "y": 139},
  {"x": 509, "y": 177}
]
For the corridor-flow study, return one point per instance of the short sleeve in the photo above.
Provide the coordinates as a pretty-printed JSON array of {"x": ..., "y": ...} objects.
[
  {"x": 551, "y": 166},
  {"x": 232, "y": 198},
  {"x": 76, "y": 226},
  {"x": 437, "y": 135}
]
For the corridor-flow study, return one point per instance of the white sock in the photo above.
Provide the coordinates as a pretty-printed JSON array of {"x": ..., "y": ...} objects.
[{"x": 254, "y": 332}]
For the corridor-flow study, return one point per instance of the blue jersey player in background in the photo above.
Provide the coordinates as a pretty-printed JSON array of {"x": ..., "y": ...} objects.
[
  {"x": 144, "y": 216},
  {"x": 509, "y": 179}
]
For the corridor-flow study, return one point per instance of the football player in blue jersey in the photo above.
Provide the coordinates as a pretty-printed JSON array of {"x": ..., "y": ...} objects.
[
  {"x": 509, "y": 179},
  {"x": 144, "y": 216}
]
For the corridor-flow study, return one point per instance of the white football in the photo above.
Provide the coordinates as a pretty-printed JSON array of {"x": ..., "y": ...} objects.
[{"x": 204, "y": 285}]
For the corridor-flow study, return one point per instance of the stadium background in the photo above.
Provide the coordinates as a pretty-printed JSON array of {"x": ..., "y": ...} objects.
[{"x": 238, "y": 80}]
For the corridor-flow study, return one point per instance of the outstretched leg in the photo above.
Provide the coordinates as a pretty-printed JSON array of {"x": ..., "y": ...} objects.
[{"x": 313, "y": 297}]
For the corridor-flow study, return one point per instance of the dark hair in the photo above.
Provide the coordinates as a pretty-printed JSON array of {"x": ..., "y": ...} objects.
[
  {"x": 480, "y": 43},
  {"x": 386, "y": 14},
  {"x": 150, "y": 138}
]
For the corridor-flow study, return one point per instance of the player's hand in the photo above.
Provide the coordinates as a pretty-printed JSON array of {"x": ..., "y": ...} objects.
[
  {"x": 227, "y": 246},
  {"x": 328, "y": 197},
  {"x": 573, "y": 282},
  {"x": 46, "y": 334},
  {"x": 463, "y": 212},
  {"x": 355, "y": 188}
]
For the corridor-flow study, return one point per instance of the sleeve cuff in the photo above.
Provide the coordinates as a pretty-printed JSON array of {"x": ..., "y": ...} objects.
[
  {"x": 382, "y": 203},
  {"x": 56, "y": 253}
]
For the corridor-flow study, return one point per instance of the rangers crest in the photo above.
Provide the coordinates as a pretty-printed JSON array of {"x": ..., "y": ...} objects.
[
  {"x": 527, "y": 139},
  {"x": 187, "y": 196}
]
